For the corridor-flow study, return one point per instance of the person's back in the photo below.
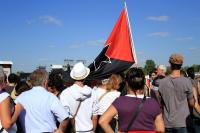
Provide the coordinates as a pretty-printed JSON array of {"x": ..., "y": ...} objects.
[
  {"x": 71, "y": 98},
  {"x": 145, "y": 119},
  {"x": 136, "y": 112},
  {"x": 108, "y": 92},
  {"x": 81, "y": 101},
  {"x": 38, "y": 108},
  {"x": 175, "y": 93},
  {"x": 105, "y": 98}
]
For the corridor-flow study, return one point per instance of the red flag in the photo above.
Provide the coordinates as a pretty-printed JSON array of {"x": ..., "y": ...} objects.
[
  {"x": 117, "y": 54},
  {"x": 119, "y": 41}
]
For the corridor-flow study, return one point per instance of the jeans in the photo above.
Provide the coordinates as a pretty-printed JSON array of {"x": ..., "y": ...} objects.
[
  {"x": 195, "y": 129},
  {"x": 176, "y": 130}
]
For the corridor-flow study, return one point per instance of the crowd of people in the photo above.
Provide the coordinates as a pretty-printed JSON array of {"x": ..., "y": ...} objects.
[{"x": 116, "y": 104}]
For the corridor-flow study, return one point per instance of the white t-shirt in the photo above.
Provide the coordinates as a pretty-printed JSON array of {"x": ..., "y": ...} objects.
[
  {"x": 3, "y": 96},
  {"x": 70, "y": 99},
  {"x": 106, "y": 100}
]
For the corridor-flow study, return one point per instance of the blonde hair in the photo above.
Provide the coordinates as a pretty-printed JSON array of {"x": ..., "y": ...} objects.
[{"x": 114, "y": 82}]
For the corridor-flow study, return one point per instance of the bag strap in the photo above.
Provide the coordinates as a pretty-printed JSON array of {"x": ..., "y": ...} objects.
[
  {"x": 103, "y": 95},
  {"x": 137, "y": 110},
  {"x": 73, "y": 119},
  {"x": 77, "y": 109}
]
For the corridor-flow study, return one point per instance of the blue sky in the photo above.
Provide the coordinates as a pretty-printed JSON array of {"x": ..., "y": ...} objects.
[{"x": 44, "y": 32}]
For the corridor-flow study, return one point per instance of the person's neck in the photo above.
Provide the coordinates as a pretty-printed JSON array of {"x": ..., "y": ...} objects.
[
  {"x": 79, "y": 83},
  {"x": 11, "y": 84},
  {"x": 56, "y": 93},
  {"x": 103, "y": 87},
  {"x": 137, "y": 92},
  {"x": 175, "y": 73},
  {"x": 162, "y": 74}
]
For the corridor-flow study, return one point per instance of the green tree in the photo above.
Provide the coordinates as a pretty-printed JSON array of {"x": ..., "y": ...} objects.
[
  {"x": 149, "y": 66},
  {"x": 168, "y": 71},
  {"x": 196, "y": 68},
  {"x": 185, "y": 68}
]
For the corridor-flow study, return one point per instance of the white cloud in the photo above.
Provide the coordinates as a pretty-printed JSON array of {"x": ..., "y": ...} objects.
[
  {"x": 183, "y": 39},
  {"x": 43, "y": 59},
  {"x": 159, "y": 34},
  {"x": 139, "y": 52},
  {"x": 51, "y": 20},
  {"x": 95, "y": 42},
  {"x": 92, "y": 43},
  {"x": 75, "y": 46},
  {"x": 194, "y": 49},
  {"x": 142, "y": 60},
  {"x": 29, "y": 22},
  {"x": 52, "y": 46},
  {"x": 22, "y": 64},
  {"x": 158, "y": 18}
]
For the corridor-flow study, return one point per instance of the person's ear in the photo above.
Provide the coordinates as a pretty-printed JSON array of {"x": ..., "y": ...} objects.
[{"x": 46, "y": 83}]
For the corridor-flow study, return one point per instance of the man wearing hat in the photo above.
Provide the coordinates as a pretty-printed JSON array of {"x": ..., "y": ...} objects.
[
  {"x": 81, "y": 101},
  {"x": 176, "y": 93}
]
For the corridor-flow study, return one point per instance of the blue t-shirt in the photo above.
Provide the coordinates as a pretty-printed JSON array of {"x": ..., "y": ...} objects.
[{"x": 40, "y": 110}]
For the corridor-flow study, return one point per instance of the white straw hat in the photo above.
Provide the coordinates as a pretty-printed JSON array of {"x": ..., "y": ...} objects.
[{"x": 79, "y": 71}]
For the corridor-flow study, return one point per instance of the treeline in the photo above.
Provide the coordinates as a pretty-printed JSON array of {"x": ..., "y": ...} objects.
[{"x": 151, "y": 65}]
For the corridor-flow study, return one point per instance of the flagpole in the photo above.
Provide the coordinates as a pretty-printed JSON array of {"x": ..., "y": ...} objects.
[{"x": 133, "y": 47}]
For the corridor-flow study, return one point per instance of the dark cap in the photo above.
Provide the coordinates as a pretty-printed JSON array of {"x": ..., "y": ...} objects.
[{"x": 176, "y": 59}]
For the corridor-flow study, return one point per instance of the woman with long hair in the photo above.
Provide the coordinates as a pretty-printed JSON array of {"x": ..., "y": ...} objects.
[{"x": 106, "y": 94}]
